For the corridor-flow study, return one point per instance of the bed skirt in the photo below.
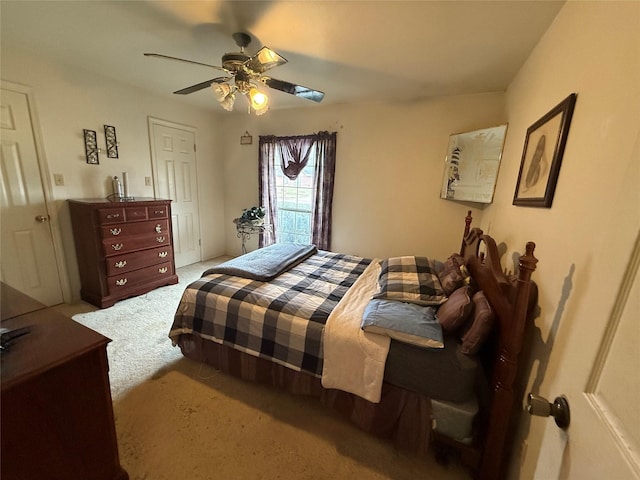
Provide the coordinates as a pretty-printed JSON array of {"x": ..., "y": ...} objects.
[{"x": 402, "y": 416}]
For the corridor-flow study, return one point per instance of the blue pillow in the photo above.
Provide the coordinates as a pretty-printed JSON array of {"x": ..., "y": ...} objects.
[{"x": 406, "y": 322}]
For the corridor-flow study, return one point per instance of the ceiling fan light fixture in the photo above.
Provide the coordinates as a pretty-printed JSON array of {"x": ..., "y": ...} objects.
[
  {"x": 225, "y": 94},
  {"x": 260, "y": 111},
  {"x": 258, "y": 100},
  {"x": 221, "y": 90},
  {"x": 228, "y": 101}
]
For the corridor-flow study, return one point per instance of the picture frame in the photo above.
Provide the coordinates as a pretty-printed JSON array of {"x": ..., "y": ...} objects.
[
  {"x": 542, "y": 156},
  {"x": 246, "y": 139},
  {"x": 91, "y": 146},
  {"x": 472, "y": 163}
]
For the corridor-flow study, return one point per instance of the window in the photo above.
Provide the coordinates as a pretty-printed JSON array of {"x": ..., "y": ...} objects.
[
  {"x": 296, "y": 188},
  {"x": 294, "y": 204}
]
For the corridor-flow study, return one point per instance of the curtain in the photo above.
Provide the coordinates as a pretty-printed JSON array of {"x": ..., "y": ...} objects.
[
  {"x": 323, "y": 190},
  {"x": 267, "y": 186},
  {"x": 294, "y": 154},
  {"x": 291, "y": 154}
]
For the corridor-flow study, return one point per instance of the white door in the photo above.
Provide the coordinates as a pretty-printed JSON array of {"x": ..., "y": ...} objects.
[
  {"x": 174, "y": 168},
  {"x": 28, "y": 261},
  {"x": 603, "y": 439}
]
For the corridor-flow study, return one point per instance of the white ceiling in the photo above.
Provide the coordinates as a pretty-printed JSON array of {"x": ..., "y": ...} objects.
[{"x": 354, "y": 51}]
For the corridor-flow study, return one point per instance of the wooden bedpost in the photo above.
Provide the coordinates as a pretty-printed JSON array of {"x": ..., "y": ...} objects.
[
  {"x": 505, "y": 372},
  {"x": 467, "y": 226}
]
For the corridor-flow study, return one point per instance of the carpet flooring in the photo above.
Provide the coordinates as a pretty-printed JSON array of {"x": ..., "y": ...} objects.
[{"x": 179, "y": 420}]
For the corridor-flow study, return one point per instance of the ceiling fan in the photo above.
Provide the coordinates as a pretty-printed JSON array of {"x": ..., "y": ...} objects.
[{"x": 246, "y": 76}]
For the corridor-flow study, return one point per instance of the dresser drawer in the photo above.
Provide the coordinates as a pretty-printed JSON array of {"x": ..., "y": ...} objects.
[
  {"x": 138, "y": 228},
  {"x": 119, "y": 284},
  {"x": 110, "y": 215},
  {"x": 133, "y": 261},
  {"x": 133, "y": 214},
  {"x": 158, "y": 211},
  {"x": 118, "y": 246}
]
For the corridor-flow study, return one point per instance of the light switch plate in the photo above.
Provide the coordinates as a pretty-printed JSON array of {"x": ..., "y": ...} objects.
[{"x": 58, "y": 179}]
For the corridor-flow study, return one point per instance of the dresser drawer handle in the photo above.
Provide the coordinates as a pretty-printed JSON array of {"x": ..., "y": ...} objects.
[
  {"x": 163, "y": 254},
  {"x": 136, "y": 214},
  {"x": 158, "y": 228},
  {"x": 163, "y": 270},
  {"x": 120, "y": 264},
  {"x": 158, "y": 212},
  {"x": 116, "y": 231},
  {"x": 117, "y": 246},
  {"x": 121, "y": 282},
  {"x": 160, "y": 239},
  {"x": 113, "y": 215}
]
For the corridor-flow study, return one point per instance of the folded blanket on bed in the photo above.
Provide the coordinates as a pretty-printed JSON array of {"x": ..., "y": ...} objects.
[
  {"x": 354, "y": 360},
  {"x": 265, "y": 263}
]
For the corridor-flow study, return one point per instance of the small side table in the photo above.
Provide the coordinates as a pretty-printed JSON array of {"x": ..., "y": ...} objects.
[{"x": 245, "y": 230}]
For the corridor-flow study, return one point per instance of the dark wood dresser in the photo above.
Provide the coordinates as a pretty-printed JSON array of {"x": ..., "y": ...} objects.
[
  {"x": 124, "y": 249},
  {"x": 56, "y": 409}
]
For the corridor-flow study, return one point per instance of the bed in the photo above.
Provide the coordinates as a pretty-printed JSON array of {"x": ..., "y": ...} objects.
[{"x": 421, "y": 351}]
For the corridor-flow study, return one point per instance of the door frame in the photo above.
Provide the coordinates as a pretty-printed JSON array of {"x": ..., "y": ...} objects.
[
  {"x": 47, "y": 187},
  {"x": 151, "y": 121}
]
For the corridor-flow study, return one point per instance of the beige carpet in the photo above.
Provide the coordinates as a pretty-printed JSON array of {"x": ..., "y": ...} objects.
[{"x": 179, "y": 420}]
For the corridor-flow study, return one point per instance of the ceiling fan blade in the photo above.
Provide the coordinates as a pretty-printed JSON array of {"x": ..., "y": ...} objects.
[
  {"x": 200, "y": 86},
  {"x": 293, "y": 89},
  {"x": 194, "y": 88},
  {"x": 264, "y": 60},
  {"x": 167, "y": 57}
]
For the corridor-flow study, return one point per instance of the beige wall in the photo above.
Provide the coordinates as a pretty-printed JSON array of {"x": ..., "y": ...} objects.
[
  {"x": 584, "y": 240},
  {"x": 389, "y": 167},
  {"x": 390, "y": 162},
  {"x": 69, "y": 100}
]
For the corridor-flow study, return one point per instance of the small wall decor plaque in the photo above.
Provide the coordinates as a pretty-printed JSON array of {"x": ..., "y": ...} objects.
[
  {"x": 91, "y": 146},
  {"x": 112, "y": 141},
  {"x": 246, "y": 139}
]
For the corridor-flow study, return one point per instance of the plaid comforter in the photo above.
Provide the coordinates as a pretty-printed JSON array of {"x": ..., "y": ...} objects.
[{"x": 281, "y": 320}]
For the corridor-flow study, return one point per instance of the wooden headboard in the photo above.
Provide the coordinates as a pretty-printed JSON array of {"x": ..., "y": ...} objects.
[{"x": 510, "y": 300}]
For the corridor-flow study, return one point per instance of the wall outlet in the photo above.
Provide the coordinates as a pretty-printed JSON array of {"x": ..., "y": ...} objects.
[
  {"x": 147, "y": 181},
  {"x": 58, "y": 179}
]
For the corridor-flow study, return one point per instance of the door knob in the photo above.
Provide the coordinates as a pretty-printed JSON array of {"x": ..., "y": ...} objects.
[
  {"x": 559, "y": 409},
  {"x": 42, "y": 218}
]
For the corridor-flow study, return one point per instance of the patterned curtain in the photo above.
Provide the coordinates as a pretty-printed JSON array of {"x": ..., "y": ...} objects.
[
  {"x": 292, "y": 154},
  {"x": 267, "y": 186},
  {"x": 323, "y": 190}
]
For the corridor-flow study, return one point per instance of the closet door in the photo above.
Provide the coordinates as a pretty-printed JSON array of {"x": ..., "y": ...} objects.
[{"x": 174, "y": 166}]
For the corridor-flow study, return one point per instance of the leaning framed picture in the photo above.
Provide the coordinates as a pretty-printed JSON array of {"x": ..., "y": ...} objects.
[{"x": 542, "y": 156}]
